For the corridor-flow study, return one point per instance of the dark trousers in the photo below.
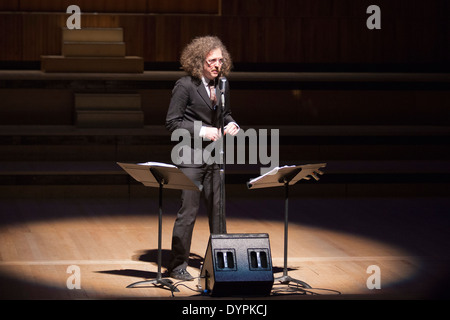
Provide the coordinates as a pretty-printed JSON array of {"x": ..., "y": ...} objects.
[{"x": 209, "y": 177}]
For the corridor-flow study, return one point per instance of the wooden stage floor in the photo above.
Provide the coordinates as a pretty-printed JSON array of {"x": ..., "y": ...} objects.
[{"x": 332, "y": 244}]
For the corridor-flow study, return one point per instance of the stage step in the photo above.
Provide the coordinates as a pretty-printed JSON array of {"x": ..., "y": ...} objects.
[
  {"x": 94, "y": 49},
  {"x": 107, "y": 101},
  {"x": 109, "y": 119},
  {"x": 93, "y": 34},
  {"x": 108, "y": 110},
  {"x": 90, "y": 50},
  {"x": 93, "y": 42},
  {"x": 128, "y": 64}
]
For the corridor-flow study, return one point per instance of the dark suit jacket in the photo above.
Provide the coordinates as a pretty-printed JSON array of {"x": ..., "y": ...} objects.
[{"x": 190, "y": 102}]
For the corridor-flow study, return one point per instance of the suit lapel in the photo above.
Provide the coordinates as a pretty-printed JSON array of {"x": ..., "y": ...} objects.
[{"x": 202, "y": 92}]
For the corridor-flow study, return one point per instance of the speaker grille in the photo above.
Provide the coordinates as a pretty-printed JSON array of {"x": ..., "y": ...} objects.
[
  {"x": 225, "y": 259},
  {"x": 258, "y": 259}
]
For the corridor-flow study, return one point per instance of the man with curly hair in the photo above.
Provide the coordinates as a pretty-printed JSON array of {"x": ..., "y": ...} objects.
[{"x": 196, "y": 99}]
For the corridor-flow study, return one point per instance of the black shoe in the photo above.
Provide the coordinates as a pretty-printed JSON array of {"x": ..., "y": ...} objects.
[{"x": 181, "y": 274}]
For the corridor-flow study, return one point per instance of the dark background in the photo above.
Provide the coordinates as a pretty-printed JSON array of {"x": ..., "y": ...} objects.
[{"x": 372, "y": 104}]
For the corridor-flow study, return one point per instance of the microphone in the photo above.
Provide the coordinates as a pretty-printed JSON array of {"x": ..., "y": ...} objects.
[{"x": 222, "y": 83}]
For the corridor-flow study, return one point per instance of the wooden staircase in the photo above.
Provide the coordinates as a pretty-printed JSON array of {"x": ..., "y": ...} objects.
[
  {"x": 99, "y": 50},
  {"x": 108, "y": 110}
]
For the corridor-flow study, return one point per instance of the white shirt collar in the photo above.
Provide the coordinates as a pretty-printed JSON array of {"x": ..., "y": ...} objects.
[{"x": 205, "y": 82}]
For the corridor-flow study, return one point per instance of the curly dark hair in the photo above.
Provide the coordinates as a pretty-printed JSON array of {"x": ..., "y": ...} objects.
[{"x": 194, "y": 55}]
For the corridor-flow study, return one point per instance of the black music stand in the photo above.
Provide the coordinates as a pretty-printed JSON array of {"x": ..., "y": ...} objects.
[
  {"x": 160, "y": 175},
  {"x": 287, "y": 175}
]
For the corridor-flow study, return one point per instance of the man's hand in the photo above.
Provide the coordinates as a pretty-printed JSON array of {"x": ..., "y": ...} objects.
[
  {"x": 212, "y": 133},
  {"x": 231, "y": 129}
]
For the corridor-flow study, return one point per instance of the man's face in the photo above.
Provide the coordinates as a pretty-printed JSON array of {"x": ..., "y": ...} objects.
[{"x": 213, "y": 63}]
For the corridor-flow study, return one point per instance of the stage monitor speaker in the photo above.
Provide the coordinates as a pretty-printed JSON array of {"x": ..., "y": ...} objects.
[{"x": 237, "y": 264}]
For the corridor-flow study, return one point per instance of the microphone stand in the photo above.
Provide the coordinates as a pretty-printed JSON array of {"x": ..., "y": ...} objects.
[{"x": 222, "y": 226}]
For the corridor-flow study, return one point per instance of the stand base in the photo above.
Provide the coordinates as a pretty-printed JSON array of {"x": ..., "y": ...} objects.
[
  {"x": 286, "y": 279},
  {"x": 161, "y": 282}
]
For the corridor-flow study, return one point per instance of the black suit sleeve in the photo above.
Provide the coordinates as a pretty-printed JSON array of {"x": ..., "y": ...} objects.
[{"x": 175, "y": 118}]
